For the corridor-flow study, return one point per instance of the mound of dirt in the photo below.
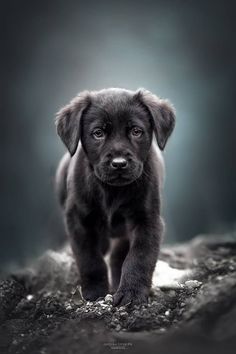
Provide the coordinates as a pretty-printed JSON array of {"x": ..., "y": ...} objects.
[{"x": 192, "y": 306}]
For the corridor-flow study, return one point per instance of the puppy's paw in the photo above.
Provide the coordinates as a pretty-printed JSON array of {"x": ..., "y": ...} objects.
[
  {"x": 130, "y": 297},
  {"x": 93, "y": 293}
]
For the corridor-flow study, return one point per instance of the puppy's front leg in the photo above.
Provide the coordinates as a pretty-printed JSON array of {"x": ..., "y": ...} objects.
[
  {"x": 85, "y": 246},
  {"x": 138, "y": 267}
]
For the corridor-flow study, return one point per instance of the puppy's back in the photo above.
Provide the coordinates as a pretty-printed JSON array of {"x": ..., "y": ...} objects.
[
  {"x": 61, "y": 178},
  {"x": 158, "y": 162}
]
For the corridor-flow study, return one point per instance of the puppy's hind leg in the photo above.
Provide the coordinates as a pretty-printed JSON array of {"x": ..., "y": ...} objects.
[{"x": 120, "y": 248}]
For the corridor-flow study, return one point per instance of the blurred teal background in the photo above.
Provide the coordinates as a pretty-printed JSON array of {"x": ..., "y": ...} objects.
[{"x": 181, "y": 50}]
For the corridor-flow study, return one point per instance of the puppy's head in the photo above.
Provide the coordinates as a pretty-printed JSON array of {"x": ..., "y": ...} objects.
[{"x": 116, "y": 128}]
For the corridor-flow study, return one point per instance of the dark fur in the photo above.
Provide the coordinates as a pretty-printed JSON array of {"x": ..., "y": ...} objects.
[{"x": 101, "y": 201}]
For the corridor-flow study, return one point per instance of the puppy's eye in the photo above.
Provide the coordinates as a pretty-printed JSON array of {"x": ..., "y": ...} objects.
[
  {"x": 136, "y": 131},
  {"x": 98, "y": 134}
]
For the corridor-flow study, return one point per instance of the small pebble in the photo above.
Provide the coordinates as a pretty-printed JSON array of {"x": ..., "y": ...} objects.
[
  {"x": 172, "y": 293},
  {"x": 108, "y": 299},
  {"x": 162, "y": 329},
  {"x": 104, "y": 305},
  {"x": 193, "y": 283},
  {"x": 118, "y": 327},
  {"x": 124, "y": 314},
  {"x": 29, "y": 297},
  {"x": 79, "y": 302},
  {"x": 121, "y": 308}
]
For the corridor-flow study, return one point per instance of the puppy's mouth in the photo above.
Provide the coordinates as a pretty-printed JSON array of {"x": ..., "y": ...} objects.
[
  {"x": 119, "y": 181},
  {"x": 118, "y": 178}
]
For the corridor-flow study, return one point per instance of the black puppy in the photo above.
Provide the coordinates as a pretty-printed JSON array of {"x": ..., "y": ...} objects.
[{"x": 109, "y": 187}]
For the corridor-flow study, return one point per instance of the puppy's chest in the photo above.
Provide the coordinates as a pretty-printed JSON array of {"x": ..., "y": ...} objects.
[{"x": 116, "y": 218}]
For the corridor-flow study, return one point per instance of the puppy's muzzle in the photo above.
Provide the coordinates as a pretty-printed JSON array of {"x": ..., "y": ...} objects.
[{"x": 118, "y": 170}]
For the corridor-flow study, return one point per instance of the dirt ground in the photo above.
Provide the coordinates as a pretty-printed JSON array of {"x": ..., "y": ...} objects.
[{"x": 191, "y": 309}]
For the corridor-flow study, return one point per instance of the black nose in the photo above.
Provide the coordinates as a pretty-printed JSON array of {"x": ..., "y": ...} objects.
[{"x": 119, "y": 162}]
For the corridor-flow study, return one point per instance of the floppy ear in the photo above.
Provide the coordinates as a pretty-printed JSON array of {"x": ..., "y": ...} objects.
[
  {"x": 68, "y": 121},
  {"x": 162, "y": 113}
]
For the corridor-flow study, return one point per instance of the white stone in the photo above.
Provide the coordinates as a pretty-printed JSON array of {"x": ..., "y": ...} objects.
[{"x": 167, "y": 277}]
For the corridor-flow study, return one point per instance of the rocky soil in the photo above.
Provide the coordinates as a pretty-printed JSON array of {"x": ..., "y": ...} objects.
[{"x": 192, "y": 306}]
